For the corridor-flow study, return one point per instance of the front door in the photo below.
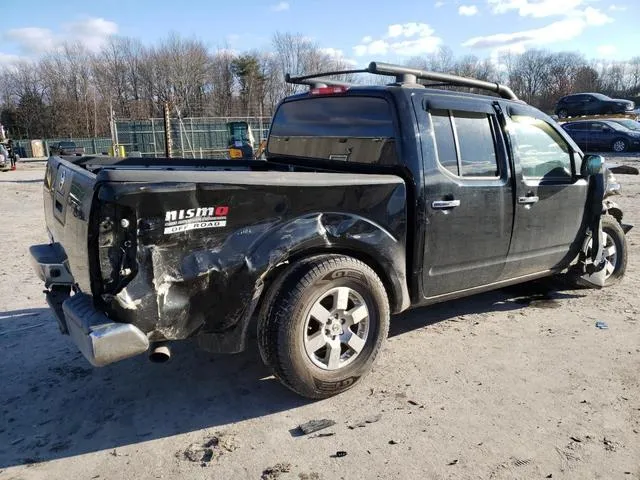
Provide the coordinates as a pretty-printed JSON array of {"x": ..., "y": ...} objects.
[
  {"x": 550, "y": 198},
  {"x": 468, "y": 194},
  {"x": 599, "y": 135}
]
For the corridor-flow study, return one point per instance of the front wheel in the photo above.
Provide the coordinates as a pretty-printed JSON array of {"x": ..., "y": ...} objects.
[
  {"x": 619, "y": 145},
  {"x": 323, "y": 324},
  {"x": 615, "y": 250},
  {"x": 562, "y": 113}
]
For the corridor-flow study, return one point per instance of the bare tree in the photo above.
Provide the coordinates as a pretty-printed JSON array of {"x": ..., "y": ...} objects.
[
  {"x": 222, "y": 82},
  {"x": 296, "y": 54},
  {"x": 71, "y": 91}
]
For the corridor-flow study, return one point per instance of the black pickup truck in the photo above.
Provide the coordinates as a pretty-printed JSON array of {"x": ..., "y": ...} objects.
[{"x": 372, "y": 200}]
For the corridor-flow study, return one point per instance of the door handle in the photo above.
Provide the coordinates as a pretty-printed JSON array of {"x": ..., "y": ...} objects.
[
  {"x": 528, "y": 200},
  {"x": 443, "y": 204}
]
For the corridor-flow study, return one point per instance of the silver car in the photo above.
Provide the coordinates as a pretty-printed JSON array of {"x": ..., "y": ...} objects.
[{"x": 5, "y": 161}]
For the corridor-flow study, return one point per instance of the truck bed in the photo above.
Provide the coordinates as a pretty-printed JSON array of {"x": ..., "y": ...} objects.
[{"x": 184, "y": 247}]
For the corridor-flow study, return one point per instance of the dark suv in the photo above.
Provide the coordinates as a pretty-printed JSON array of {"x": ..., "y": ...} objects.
[
  {"x": 591, "y": 104},
  {"x": 602, "y": 135}
]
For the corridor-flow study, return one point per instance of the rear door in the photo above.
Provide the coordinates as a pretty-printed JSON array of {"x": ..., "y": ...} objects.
[
  {"x": 550, "y": 196},
  {"x": 468, "y": 194},
  {"x": 579, "y": 133}
]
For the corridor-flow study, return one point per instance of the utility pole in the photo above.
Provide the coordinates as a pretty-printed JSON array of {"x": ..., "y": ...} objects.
[{"x": 112, "y": 125}]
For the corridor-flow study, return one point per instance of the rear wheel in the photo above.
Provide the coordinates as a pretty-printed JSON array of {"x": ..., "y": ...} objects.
[
  {"x": 562, "y": 113},
  {"x": 619, "y": 145},
  {"x": 323, "y": 324}
]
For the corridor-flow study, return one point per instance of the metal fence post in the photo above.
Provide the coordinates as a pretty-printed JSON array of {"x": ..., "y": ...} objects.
[{"x": 167, "y": 131}]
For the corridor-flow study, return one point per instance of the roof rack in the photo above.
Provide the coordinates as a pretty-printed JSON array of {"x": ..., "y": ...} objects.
[
  {"x": 405, "y": 76},
  {"x": 318, "y": 80}
]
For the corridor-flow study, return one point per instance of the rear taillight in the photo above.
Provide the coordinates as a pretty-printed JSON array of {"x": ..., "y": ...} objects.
[{"x": 328, "y": 90}]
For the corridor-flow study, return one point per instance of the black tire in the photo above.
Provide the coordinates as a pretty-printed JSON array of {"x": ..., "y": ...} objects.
[
  {"x": 281, "y": 326},
  {"x": 612, "y": 228},
  {"x": 619, "y": 145},
  {"x": 562, "y": 113}
]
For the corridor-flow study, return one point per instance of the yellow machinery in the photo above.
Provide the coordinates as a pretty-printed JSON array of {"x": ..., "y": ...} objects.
[{"x": 240, "y": 140}]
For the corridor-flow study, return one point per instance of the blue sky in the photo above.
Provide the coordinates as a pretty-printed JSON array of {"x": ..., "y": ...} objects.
[{"x": 359, "y": 30}]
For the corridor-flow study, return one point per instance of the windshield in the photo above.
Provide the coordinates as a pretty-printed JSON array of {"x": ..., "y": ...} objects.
[
  {"x": 630, "y": 124},
  {"x": 67, "y": 144},
  {"x": 600, "y": 96}
]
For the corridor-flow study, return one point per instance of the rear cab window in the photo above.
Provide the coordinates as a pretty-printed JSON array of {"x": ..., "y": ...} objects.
[{"x": 356, "y": 129}]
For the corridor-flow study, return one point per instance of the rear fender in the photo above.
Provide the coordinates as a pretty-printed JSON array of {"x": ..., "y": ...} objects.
[
  {"x": 299, "y": 238},
  {"x": 337, "y": 233}
]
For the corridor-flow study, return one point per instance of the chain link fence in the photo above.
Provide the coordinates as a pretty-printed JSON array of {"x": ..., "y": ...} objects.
[
  {"x": 40, "y": 148},
  {"x": 198, "y": 137}
]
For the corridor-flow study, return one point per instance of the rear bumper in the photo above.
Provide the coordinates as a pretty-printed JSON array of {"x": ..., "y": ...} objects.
[
  {"x": 98, "y": 338},
  {"x": 51, "y": 264}
]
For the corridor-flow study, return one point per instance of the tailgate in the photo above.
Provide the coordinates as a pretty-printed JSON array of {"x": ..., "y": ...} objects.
[{"x": 68, "y": 193}]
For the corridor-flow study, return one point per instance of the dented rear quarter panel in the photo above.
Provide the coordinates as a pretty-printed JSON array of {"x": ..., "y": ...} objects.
[{"x": 208, "y": 281}]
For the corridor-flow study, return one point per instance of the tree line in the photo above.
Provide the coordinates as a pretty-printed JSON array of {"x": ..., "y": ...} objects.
[{"x": 73, "y": 92}]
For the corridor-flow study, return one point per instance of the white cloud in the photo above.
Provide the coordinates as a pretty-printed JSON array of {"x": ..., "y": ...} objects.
[
  {"x": 32, "y": 39},
  {"x": 280, "y": 7},
  {"x": 90, "y": 32},
  {"x": 535, "y": 8},
  {"x": 8, "y": 60},
  {"x": 574, "y": 23},
  {"x": 607, "y": 50},
  {"x": 406, "y": 39},
  {"x": 338, "y": 55},
  {"x": 594, "y": 16},
  {"x": 617, "y": 8},
  {"x": 554, "y": 32},
  {"x": 468, "y": 10},
  {"x": 438, "y": 4}
]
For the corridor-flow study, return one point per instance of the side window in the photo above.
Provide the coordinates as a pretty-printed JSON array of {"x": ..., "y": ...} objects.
[
  {"x": 445, "y": 141},
  {"x": 477, "y": 145},
  {"x": 465, "y": 143},
  {"x": 541, "y": 150}
]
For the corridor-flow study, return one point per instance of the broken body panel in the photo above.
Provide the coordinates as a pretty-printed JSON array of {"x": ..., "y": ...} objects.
[{"x": 179, "y": 253}]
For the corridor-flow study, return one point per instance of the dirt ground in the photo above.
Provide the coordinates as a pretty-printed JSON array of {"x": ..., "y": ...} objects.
[{"x": 489, "y": 387}]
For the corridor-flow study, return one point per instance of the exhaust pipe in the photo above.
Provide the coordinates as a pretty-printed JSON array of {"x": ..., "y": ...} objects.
[{"x": 160, "y": 353}]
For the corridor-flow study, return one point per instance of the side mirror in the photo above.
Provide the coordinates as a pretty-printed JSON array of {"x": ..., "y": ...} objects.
[{"x": 591, "y": 165}]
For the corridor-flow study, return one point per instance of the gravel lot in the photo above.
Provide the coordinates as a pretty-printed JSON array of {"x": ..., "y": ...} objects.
[{"x": 496, "y": 386}]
